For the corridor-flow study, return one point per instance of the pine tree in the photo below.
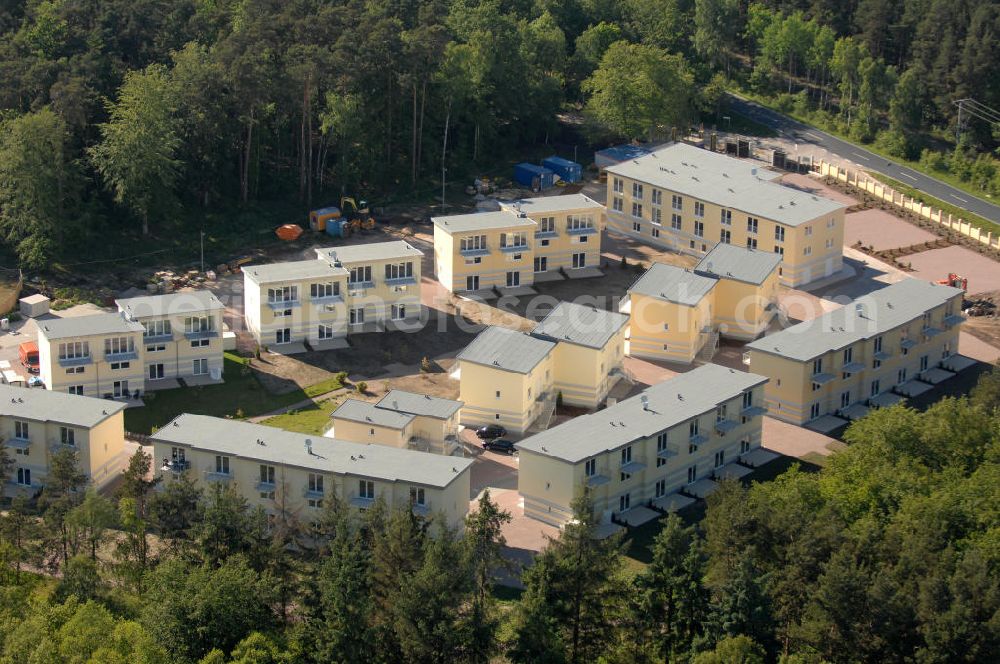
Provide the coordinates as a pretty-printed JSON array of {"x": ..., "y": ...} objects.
[
  {"x": 397, "y": 553},
  {"x": 742, "y": 607},
  {"x": 484, "y": 543}
]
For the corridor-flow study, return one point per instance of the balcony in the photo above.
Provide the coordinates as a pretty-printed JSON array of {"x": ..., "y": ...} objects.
[
  {"x": 930, "y": 331},
  {"x": 201, "y": 334},
  {"x": 157, "y": 338},
  {"x": 421, "y": 510},
  {"x": 906, "y": 344},
  {"x": 852, "y": 367},
  {"x": 265, "y": 486},
  {"x": 480, "y": 251},
  {"x": 175, "y": 465},
  {"x": 632, "y": 467},
  {"x": 882, "y": 355},
  {"x": 698, "y": 439},
  {"x": 360, "y": 285},
  {"x": 586, "y": 230},
  {"x": 18, "y": 443},
  {"x": 822, "y": 378},
  {"x": 753, "y": 411},
  {"x": 542, "y": 235},
  {"x": 217, "y": 476},
  {"x": 401, "y": 281},
  {"x": 597, "y": 480},
  {"x": 313, "y": 494},
  {"x": 124, "y": 356},
  {"x": 725, "y": 426},
  {"x": 514, "y": 248},
  {"x": 75, "y": 361},
  {"x": 362, "y": 502},
  {"x": 327, "y": 299},
  {"x": 665, "y": 453},
  {"x": 283, "y": 304},
  {"x": 953, "y": 319}
]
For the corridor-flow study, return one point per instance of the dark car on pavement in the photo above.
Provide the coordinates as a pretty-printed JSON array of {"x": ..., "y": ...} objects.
[
  {"x": 501, "y": 445},
  {"x": 490, "y": 431}
]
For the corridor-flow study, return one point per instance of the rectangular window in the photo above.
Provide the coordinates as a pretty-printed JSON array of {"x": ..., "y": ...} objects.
[
  {"x": 676, "y": 202},
  {"x": 417, "y": 496},
  {"x": 283, "y": 294},
  {"x": 398, "y": 311},
  {"x": 699, "y": 229},
  {"x": 809, "y": 231},
  {"x": 618, "y": 185},
  {"x": 117, "y": 366},
  {"x": 473, "y": 243},
  {"x": 199, "y": 367},
  {"x": 325, "y": 332},
  {"x": 626, "y": 455},
  {"x": 222, "y": 465},
  {"x": 661, "y": 488},
  {"x": 116, "y": 345},
  {"x": 637, "y": 210},
  {"x": 692, "y": 474},
  {"x": 693, "y": 428},
  {"x": 725, "y": 236},
  {"x": 657, "y": 197},
  {"x": 875, "y": 388},
  {"x": 315, "y": 483},
  {"x": 357, "y": 316},
  {"x": 67, "y": 436},
  {"x": 878, "y": 344},
  {"x": 636, "y": 227},
  {"x": 617, "y": 204},
  {"x": 76, "y": 389},
  {"x": 779, "y": 233},
  {"x": 266, "y": 474},
  {"x": 636, "y": 190},
  {"x": 513, "y": 240},
  {"x": 366, "y": 489},
  {"x": 720, "y": 458},
  {"x": 360, "y": 274},
  {"x": 156, "y": 328},
  {"x": 590, "y": 468},
  {"x": 780, "y": 251},
  {"x": 399, "y": 270},
  {"x": 807, "y": 251},
  {"x": 193, "y": 324},
  {"x": 699, "y": 209},
  {"x": 656, "y": 232},
  {"x": 751, "y": 243},
  {"x": 818, "y": 365},
  {"x": 675, "y": 221},
  {"x": 547, "y": 225},
  {"x": 726, "y": 217},
  {"x": 747, "y": 400},
  {"x": 158, "y": 348},
  {"x": 201, "y": 343},
  {"x": 21, "y": 430},
  {"x": 579, "y": 222},
  {"x": 845, "y": 399},
  {"x": 657, "y": 216},
  {"x": 324, "y": 290},
  {"x": 744, "y": 446},
  {"x": 24, "y": 476},
  {"x": 752, "y": 225}
]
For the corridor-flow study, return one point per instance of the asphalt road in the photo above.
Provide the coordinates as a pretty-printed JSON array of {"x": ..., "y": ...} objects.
[{"x": 803, "y": 134}]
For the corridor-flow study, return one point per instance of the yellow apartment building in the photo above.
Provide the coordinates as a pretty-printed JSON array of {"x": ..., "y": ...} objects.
[
  {"x": 677, "y": 315},
  {"x": 590, "y": 349},
  {"x": 506, "y": 379},
  {"x": 95, "y": 356},
  {"x": 866, "y": 354},
  {"x": 529, "y": 240},
  {"x": 345, "y": 290},
  {"x": 400, "y": 419},
  {"x": 35, "y": 424},
  {"x": 291, "y": 472},
  {"x": 182, "y": 336},
  {"x": 645, "y": 448},
  {"x": 688, "y": 199}
]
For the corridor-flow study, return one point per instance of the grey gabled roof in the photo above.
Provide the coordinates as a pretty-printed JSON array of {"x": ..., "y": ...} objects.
[
  {"x": 740, "y": 263},
  {"x": 672, "y": 402},
  {"x": 673, "y": 284},
  {"x": 170, "y": 304},
  {"x": 84, "y": 326},
  {"x": 419, "y": 404},
  {"x": 864, "y": 318},
  {"x": 235, "y": 438},
  {"x": 293, "y": 271},
  {"x": 481, "y": 221},
  {"x": 544, "y": 204},
  {"x": 727, "y": 182},
  {"x": 580, "y": 324},
  {"x": 505, "y": 349},
  {"x": 366, "y": 412},
  {"x": 51, "y": 406},
  {"x": 349, "y": 254}
]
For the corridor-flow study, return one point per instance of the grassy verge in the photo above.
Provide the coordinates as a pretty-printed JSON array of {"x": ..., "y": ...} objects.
[
  {"x": 241, "y": 395},
  {"x": 947, "y": 178},
  {"x": 975, "y": 220},
  {"x": 313, "y": 419}
]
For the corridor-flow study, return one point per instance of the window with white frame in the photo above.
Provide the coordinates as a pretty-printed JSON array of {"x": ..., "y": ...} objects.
[
  {"x": 360, "y": 274},
  {"x": 725, "y": 236},
  {"x": 199, "y": 367},
  {"x": 21, "y": 430},
  {"x": 357, "y": 316},
  {"x": 590, "y": 467},
  {"x": 676, "y": 202},
  {"x": 222, "y": 465},
  {"x": 116, "y": 345},
  {"x": 779, "y": 233},
  {"x": 617, "y": 204},
  {"x": 325, "y": 332},
  {"x": 636, "y": 226},
  {"x": 656, "y": 214},
  {"x": 656, "y": 232},
  {"x": 418, "y": 496},
  {"x": 331, "y": 289},
  {"x": 156, "y": 328},
  {"x": 398, "y": 311},
  {"x": 314, "y": 483},
  {"x": 675, "y": 221},
  {"x": 366, "y": 489},
  {"x": 779, "y": 250},
  {"x": 751, "y": 243},
  {"x": 636, "y": 209},
  {"x": 636, "y": 190},
  {"x": 618, "y": 185},
  {"x": 807, "y": 251},
  {"x": 283, "y": 294},
  {"x": 547, "y": 225},
  {"x": 699, "y": 209},
  {"x": 74, "y": 350},
  {"x": 399, "y": 270},
  {"x": 699, "y": 229},
  {"x": 24, "y": 476},
  {"x": 473, "y": 243},
  {"x": 726, "y": 217},
  {"x": 657, "y": 196},
  {"x": 76, "y": 389},
  {"x": 193, "y": 324},
  {"x": 809, "y": 231},
  {"x": 752, "y": 224}
]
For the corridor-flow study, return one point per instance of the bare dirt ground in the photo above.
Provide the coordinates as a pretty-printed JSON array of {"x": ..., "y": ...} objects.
[
  {"x": 982, "y": 272},
  {"x": 985, "y": 327},
  {"x": 882, "y": 230}
]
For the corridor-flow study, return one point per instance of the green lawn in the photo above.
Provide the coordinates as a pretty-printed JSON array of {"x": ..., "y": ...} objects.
[
  {"x": 241, "y": 395},
  {"x": 314, "y": 418}
]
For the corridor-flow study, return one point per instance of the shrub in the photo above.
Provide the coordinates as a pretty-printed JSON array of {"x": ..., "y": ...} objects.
[
  {"x": 361, "y": 387},
  {"x": 425, "y": 365},
  {"x": 341, "y": 377}
]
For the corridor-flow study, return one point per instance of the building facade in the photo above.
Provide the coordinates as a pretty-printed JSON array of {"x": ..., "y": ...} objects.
[
  {"x": 182, "y": 336},
  {"x": 282, "y": 471},
  {"x": 36, "y": 424},
  {"x": 95, "y": 356},
  {"x": 645, "y": 448},
  {"x": 688, "y": 199},
  {"x": 529, "y": 239},
  {"x": 862, "y": 355},
  {"x": 345, "y": 290},
  {"x": 400, "y": 419}
]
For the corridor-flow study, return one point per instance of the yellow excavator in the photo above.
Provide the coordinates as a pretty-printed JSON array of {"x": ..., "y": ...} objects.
[{"x": 357, "y": 213}]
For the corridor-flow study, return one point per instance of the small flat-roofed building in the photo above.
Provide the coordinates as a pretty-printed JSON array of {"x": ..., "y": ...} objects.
[
  {"x": 506, "y": 379},
  {"x": 345, "y": 290},
  {"x": 688, "y": 199},
  {"x": 285, "y": 471},
  {"x": 745, "y": 300},
  {"x": 670, "y": 313},
  {"x": 36, "y": 424},
  {"x": 182, "y": 335},
  {"x": 508, "y": 247},
  {"x": 400, "y": 419},
  {"x": 589, "y": 352},
  {"x": 860, "y": 354},
  {"x": 642, "y": 449},
  {"x": 99, "y": 355}
]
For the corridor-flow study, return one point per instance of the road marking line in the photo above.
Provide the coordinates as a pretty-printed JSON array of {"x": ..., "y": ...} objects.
[
  {"x": 907, "y": 175},
  {"x": 858, "y": 154},
  {"x": 814, "y": 136},
  {"x": 958, "y": 198}
]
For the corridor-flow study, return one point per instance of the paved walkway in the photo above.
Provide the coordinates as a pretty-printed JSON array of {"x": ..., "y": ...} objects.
[{"x": 795, "y": 441}]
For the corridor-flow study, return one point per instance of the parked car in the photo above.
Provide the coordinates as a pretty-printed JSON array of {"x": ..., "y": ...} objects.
[
  {"x": 490, "y": 431},
  {"x": 501, "y": 445}
]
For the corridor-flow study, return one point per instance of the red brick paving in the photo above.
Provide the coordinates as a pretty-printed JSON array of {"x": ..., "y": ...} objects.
[
  {"x": 882, "y": 230},
  {"x": 982, "y": 272}
]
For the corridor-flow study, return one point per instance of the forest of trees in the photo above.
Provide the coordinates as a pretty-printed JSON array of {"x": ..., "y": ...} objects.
[
  {"x": 891, "y": 553},
  {"x": 123, "y": 117}
]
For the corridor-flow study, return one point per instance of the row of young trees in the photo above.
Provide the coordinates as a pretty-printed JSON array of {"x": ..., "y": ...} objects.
[
  {"x": 888, "y": 554},
  {"x": 123, "y": 116}
]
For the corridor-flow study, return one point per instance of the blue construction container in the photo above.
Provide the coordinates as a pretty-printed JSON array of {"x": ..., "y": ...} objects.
[
  {"x": 568, "y": 171},
  {"x": 617, "y": 154},
  {"x": 335, "y": 227},
  {"x": 534, "y": 177}
]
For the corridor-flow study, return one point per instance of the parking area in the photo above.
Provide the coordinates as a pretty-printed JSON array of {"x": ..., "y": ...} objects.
[
  {"x": 982, "y": 272},
  {"x": 881, "y": 230}
]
